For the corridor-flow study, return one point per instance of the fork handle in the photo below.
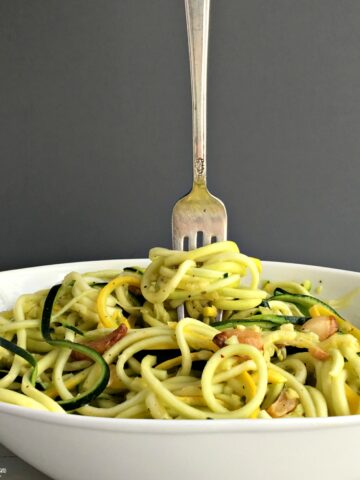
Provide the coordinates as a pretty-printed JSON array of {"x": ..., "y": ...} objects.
[{"x": 197, "y": 21}]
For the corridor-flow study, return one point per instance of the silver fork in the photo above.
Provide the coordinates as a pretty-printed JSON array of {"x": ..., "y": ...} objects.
[{"x": 198, "y": 218}]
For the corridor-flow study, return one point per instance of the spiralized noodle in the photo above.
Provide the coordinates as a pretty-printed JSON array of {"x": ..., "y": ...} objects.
[{"x": 266, "y": 358}]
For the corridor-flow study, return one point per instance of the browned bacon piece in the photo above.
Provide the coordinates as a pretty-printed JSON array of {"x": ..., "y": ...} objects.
[
  {"x": 319, "y": 353},
  {"x": 283, "y": 405},
  {"x": 102, "y": 344},
  {"x": 323, "y": 326},
  {"x": 250, "y": 337}
]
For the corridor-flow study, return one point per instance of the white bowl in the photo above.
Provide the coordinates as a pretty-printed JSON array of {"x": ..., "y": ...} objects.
[{"x": 68, "y": 447}]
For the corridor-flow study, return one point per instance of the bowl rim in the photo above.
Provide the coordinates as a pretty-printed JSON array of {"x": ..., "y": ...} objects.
[
  {"x": 151, "y": 426},
  {"x": 145, "y": 261},
  {"x": 158, "y": 426}
]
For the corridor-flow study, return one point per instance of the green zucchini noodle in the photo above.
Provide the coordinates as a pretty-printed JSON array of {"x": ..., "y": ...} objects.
[{"x": 110, "y": 343}]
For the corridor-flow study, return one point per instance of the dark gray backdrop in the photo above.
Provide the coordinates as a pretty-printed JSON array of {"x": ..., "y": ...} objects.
[{"x": 95, "y": 130}]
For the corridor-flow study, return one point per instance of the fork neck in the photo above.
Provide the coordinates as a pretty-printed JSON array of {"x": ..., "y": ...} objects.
[{"x": 197, "y": 21}]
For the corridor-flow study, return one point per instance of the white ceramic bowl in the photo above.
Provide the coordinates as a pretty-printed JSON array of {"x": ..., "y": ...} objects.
[{"x": 69, "y": 447}]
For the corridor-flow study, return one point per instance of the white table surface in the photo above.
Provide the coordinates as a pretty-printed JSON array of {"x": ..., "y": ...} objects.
[{"x": 17, "y": 469}]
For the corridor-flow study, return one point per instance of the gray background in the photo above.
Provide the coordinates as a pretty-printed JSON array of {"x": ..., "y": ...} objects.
[{"x": 95, "y": 129}]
